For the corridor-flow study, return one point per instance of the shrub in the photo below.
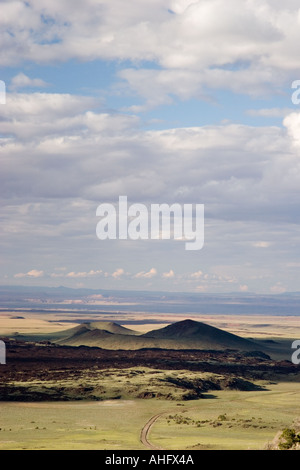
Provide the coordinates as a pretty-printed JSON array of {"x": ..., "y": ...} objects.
[
  {"x": 288, "y": 439},
  {"x": 222, "y": 417}
]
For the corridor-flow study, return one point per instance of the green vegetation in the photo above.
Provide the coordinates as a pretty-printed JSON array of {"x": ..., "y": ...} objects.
[
  {"x": 288, "y": 439},
  {"x": 97, "y": 384},
  {"x": 230, "y": 420},
  {"x": 226, "y": 419}
]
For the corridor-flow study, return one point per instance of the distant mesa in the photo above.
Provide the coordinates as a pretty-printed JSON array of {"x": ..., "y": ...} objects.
[{"x": 186, "y": 334}]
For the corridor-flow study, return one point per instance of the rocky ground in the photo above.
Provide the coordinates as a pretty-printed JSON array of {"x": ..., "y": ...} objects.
[{"x": 43, "y": 371}]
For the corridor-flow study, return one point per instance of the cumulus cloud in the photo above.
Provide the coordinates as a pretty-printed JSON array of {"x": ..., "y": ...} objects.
[
  {"x": 49, "y": 136},
  {"x": 169, "y": 275},
  {"x": 243, "y": 46},
  {"x": 83, "y": 274},
  {"x": 118, "y": 273},
  {"x": 23, "y": 81},
  {"x": 40, "y": 115},
  {"x": 196, "y": 275},
  {"x": 60, "y": 160},
  {"x": 146, "y": 274},
  {"x": 32, "y": 273},
  {"x": 292, "y": 124}
]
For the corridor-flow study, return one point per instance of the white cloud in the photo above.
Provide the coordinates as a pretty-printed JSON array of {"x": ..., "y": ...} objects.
[
  {"x": 169, "y": 275},
  {"x": 196, "y": 275},
  {"x": 146, "y": 274},
  {"x": 292, "y": 123},
  {"x": 83, "y": 274},
  {"x": 118, "y": 273},
  {"x": 247, "y": 47},
  {"x": 33, "y": 273},
  {"x": 232, "y": 169},
  {"x": 23, "y": 81}
]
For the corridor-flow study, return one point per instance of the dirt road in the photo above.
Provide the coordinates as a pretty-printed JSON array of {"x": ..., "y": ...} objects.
[{"x": 145, "y": 433}]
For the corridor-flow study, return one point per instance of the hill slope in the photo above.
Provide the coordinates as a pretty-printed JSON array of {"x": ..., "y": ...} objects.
[
  {"x": 193, "y": 332},
  {"x": 109, "y": 327},
  {"x": 186, "y": 334}
]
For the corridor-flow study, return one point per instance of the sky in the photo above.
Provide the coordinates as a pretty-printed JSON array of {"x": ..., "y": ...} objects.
[{"x": 164, "y": 102}]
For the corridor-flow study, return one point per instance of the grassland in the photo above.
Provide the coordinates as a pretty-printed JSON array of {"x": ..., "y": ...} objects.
[
  {"x": 231, "y": 420},
  {"x": 228, "y": 420}
]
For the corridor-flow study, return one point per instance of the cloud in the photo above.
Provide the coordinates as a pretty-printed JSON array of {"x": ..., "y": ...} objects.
[
  {"x": 34, "y": 273},
  {"x": 37, "y": 115},
  {"x": 244, "y": 288},
  {"x": 261, "y": 244},
  {"x": 278, "y": 288},
  {"x": 48, "y": 136},
  {"x": 169, "y": 275},
  {"x": 193, "y": 45},
  {"x": 196, "y": 275},
  {"x": 146, "y": 275},
  {"x": 83, "y": 274},
  {"x": 118, "y": 273},
  {"x": 60, "y": 160},
  {"x": 23, "y": 81},
  {"x": 292, "y": 124}
]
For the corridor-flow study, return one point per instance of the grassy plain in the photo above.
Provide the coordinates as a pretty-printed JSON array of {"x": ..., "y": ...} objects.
[
  {"x": 231, "y": 420},
  {"x": 227, "y": 420}
]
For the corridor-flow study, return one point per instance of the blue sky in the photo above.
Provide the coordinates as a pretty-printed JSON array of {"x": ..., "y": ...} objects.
[
  {"x": 164, "y": 102},
  {"x": 99, "y": 78}
]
